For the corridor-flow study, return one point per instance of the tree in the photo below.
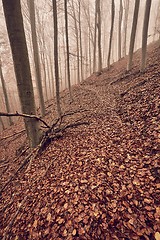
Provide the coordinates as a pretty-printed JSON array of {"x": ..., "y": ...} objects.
[
  {"x": 80, "y": 38},
  {"x": 5, "y": 93},
  {"x": 133, "y": 34},
  {"x": 111, "y": 32},
  {"x": 99, "y": 36},
  {"x": 36, "y": 54},
  {"x": 56, "y": 65},
  {"x": 95, "y": 39},
  {"x": 15, "y": 28},
  {"x": 67, "y": 48},
  {"x": 126, "y": 12},
  {"x": 119, "y": 30},
  {"x": 145, "y": 33}
]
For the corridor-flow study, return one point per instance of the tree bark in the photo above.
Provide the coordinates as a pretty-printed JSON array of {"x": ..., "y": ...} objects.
[
  {"x": 14, "y": 22},
  {"x": 111, "y": 33},
  {"x": 99, "y": 36},
  {"x": 119, "y": 30},
  {"x": 145, "y": 33},
  {"x": 133, "y": 34},
  {"x": 56, "y": 65},
  {"x": 6, "y": 99},
  {"x": 36, "y": 54},
  {"x": 67, "y": 48},
  {"x": 125, "y": 26}
]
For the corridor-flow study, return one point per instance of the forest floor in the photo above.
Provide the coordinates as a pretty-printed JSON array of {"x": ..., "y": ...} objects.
[{"x": 96, "y": 181}]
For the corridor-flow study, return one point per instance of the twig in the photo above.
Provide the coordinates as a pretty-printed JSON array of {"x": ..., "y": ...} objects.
[
  {"x": 13, "y": 135},
  {"x": 25, "y": 116}
]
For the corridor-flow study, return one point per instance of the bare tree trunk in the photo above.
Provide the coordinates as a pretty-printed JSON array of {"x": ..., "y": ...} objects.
[
  {"x": 133, "y": 34},
  {"x": 125, "y": 26},
  {"x": 99, "y": 36},
  {"x": 56, "y": 65},
  {"x": 67, "y": 48},
  {"x": 95, "y": 39},
  {"x": 119, "y": 30},
  {"x": 2, "y": 124},
  {"x": 36, "y": 55},
  {"x": 14, "y": 22},
  {"x": 80, "y": 40},
  {"x": 6, "y": 99},
  {"x": 77, "y": 42},
  {"x": 145, "y": 33},
  {"x": 111, "y": 33}
]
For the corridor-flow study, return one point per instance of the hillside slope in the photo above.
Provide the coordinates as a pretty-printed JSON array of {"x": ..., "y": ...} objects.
[{"x": 97, "y": 181}]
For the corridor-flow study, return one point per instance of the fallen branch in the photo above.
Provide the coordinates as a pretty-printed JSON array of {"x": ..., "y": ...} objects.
[
  {"x": 51, "y": 134},
  {"x": 25, "y": 116},
  {"x": 12, "y": 135}
]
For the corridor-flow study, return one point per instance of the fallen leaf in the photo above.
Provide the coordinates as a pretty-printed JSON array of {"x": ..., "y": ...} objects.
[
  {"x": 74, "y": 232},
  {"x": 49, "y": 216},
  {"x": 157, "y": 236},
  {"x": 35, "y": 223}
]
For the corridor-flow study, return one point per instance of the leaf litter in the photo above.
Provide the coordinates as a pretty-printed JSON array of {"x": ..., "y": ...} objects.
[{"x": 99, "y": 181}]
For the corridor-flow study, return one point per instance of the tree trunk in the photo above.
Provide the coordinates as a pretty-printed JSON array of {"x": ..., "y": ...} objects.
[
  {"x": 145, "y": 33},
  {"x": 95, "y": 39},
  {"x": 2, "y": 124},
  {"x": 133, "y": 34},
  {"x": 6, "y": 99},
  {"x": 111, "y": 33},
  {"x": 119, "y": 30},
  {"x": 14, "y": 22},
  {"x": 99, "y": 36},
  {"x": 56, "y": 65},
  {"x": 125, "y": 26},
  {"x": 36, "y": 54},
  {"x": 77, "y": 42},
  {"x": 67, "y": 48},
  {"x": 80, "y": 39}
]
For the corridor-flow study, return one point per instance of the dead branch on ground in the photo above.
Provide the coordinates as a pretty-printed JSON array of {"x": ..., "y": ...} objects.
[
  {"x": 13, "y": 135},
  {"x": 55, "y": 131}
]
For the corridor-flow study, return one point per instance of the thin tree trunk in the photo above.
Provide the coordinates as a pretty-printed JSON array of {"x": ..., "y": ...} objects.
[
  {"x": 77, "y": 42},
  {"x": 99, "y": 36},
  {"x": 6, "y": 99},
  {"x": 133, "y": 34},
  {"x": 2, "y": 124},
  {"x": 80, "y": 40},
  {"x": 95, "y": 39},
  {"x": 67, "y": 50},
  {"x": 111, "y": 33},
  {"x": 56, "y": 65},
  {"x": 36, "y": 54},
  {"x": 145, "y": 33},
  {"x": 119, "y": 30},
  {"x": 125, "y": 26}
]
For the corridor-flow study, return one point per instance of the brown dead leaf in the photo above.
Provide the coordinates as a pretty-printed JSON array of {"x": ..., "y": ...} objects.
[
  {"x": 65, "y": 233},
  {"x": 35, "y": 223},
  {"x": 157, "y": 236},
  {"x": 49, "y": 217},
  {"x": 74, "y": 232}
]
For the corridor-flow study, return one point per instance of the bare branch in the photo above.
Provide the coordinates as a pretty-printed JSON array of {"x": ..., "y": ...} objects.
[{"x": 24, "y": 115}]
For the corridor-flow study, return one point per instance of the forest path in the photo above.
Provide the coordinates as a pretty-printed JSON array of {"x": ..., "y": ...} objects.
[
  {"x": 104, "y": 93},
  {"x": 98, "y": 181}
]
